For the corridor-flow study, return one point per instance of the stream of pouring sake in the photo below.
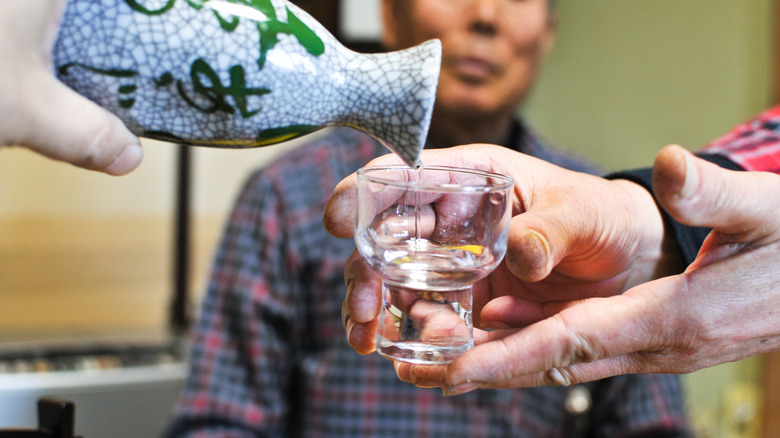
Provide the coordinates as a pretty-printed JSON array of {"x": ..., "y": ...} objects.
[{"x": 418, "y": 174}]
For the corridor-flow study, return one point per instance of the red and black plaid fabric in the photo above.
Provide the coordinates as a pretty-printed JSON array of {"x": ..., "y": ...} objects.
[{"x": 753, "y": 145}]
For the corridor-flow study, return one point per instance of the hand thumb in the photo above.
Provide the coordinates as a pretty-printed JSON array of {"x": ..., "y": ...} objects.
[
  {"x": 59, "y": 123},
  {"x": 699, "y": 193}
]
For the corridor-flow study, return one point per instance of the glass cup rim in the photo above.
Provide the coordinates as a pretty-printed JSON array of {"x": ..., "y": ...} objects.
[{"x": 503, "y": 182}]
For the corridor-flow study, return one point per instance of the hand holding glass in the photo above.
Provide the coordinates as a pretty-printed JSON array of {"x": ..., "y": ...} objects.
[{"x": 431, "y": 234}]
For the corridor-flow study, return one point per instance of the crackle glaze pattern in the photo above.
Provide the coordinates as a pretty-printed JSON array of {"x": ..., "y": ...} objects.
[{"x": 240, "y": 73}]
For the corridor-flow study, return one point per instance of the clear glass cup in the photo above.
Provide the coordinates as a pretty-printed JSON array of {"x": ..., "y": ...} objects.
[{"x": 430, "y": 234}]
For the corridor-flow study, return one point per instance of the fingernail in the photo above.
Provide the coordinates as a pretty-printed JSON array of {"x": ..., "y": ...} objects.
[
  {"x": 461, "y": 388},
  {"x": 426, "y": 384},
  {"x": 536, "y": 257},
  {"x": 540, "y": 244},
  {"x": 128, "y": 160},
  {"x": 691, "y": 178},
  {"x": 350, "y": 326}
]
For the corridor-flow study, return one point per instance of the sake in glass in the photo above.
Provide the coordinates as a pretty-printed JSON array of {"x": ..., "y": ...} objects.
[{"x": 431, "y": 234}]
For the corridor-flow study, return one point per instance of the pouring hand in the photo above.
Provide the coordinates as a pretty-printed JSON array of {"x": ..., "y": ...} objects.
[{"x": 41, "y": 113}]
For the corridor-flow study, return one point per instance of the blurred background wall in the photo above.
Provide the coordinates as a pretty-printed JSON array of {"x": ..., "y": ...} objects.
[{"x": 626, "y": 78}]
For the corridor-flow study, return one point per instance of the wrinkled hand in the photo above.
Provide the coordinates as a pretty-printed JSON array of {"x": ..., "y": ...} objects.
[
  {"x": 722, "y": 308},
  {"x": 577, "y": 232},
  {"x": 41, "y": 113}
]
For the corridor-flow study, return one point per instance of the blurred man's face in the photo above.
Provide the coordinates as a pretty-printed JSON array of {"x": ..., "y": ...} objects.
[{"x": 491, "y": 48}]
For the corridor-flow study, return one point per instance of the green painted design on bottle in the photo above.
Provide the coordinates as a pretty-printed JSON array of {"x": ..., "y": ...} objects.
[
  {"x": 269, "y": 29},
  {"x": 125, "y": 101},
  {"x": 164, "y": 80},
  {"x": 138, "y": 8},
  {"x": 163, "y": 136},
  {"x": 113, "y": 72},
  {"x": 207, "y": 84},
  {"x": 308, "y": 39},
  {"x": 295, "y": 130}
]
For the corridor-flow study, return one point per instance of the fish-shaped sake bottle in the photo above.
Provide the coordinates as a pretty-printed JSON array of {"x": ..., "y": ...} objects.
[{"x": 240, "y": 73}]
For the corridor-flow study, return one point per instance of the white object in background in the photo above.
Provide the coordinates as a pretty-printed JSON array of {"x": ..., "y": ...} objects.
[
  {"x": 361, "y": 20},
  {"x": 134, "y": 402}
]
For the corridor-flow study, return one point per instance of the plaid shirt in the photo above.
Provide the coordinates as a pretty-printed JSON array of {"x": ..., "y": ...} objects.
[
  {"x": 753, "y": 145},
  {"x": 269, "y": 356}
]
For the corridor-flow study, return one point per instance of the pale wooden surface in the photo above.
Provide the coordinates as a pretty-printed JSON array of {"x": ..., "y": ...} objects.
[
  {"x": 92, "y": 273},
  {"x": 83, "y": 272},
  {"x": 771, "y": 392}
]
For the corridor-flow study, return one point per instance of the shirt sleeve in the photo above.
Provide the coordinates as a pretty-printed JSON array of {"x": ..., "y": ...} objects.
[
  {"x": 753, "y": 145},
  {"x": 689, "y": 239},
  {"x": 241, "y": 356}
]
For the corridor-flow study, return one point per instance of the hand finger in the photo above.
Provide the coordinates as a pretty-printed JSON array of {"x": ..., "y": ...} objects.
[
  {"x": 423, "y": 376},
  {"x": 700, "y": 193},
  {"x": 550, "y": 222},
  {"x": 687, "y": 327},
  {"x": 360, "y": 308},
  {"x": 360, "y": 336},
  {"x": 70, "y": 128},
  {"x": 364, "y": 289},
  {"x": 562, "y": 222},
  {"x": 429, "y": 376},
  {"x": 513, "y": 312},
  {"x": 402, "y": 370},
  {"x": 591, "y": 330},
  {"x": 563, "y": 376},
  {"x": 438, "y": 322},
  {"x": 529, "y": 254},
  {"x": 339, "y": 216}
]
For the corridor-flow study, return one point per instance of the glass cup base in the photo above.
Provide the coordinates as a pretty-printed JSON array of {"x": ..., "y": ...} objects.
[
  {"x": 424, "y": 326},
  {"x": 420, "y": 353}
]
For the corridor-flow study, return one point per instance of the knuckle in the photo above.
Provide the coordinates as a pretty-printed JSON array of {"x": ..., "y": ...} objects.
[
  {"x": 577, "y": 348},
  {"x": 559, "y": 377},
  {"x": 344, "y": 314},
  {"x": 581, "y": 350}
]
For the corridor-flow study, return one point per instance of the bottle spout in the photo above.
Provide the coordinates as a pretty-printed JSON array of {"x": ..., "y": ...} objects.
[{"x": 402, "y": 87}]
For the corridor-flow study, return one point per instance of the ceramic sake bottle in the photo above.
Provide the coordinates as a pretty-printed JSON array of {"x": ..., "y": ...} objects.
[{"x": 240, "y": 73}]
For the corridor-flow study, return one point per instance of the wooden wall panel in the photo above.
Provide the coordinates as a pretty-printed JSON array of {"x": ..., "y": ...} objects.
[
  {"x": 771, "y": 362},
  {"x": 771, "y": 401}
]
